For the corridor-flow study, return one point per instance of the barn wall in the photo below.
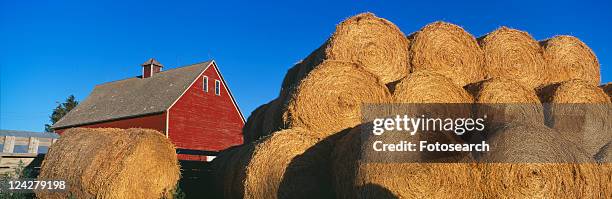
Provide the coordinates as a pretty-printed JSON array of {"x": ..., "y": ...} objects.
[
  {"x": 204, "y": 121},
  {"x": 156, "y": 122}
]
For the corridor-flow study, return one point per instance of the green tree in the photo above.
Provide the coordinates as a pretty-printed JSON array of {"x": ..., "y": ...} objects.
[{"x": 61, "y": 110}]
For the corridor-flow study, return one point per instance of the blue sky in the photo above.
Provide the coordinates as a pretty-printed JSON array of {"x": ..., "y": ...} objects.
[{"x": 51, "y": 49}]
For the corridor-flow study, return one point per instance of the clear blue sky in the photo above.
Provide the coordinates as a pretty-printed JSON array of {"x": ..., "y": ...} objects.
[{"x": 51, "y": 49}]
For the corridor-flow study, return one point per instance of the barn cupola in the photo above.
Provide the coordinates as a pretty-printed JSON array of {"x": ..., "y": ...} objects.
[{"x": 150, "y": 67}]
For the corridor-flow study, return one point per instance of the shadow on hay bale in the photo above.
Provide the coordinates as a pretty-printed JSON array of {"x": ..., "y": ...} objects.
[{"x": 287, "y": 164}]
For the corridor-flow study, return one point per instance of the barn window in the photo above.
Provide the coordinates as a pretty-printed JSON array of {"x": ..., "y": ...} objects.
[
  {"x": 205, "y": 84},
  {"x": 217, "y": 87}
]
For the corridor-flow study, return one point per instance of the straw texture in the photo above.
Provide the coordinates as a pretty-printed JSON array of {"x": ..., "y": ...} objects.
[
  {"x": 569, "y": 58},
  {"x": 447, "y": 49},
  {"x": 580, "y": 112},
  {"x": 112, "y": 163},
  {"x": 329, "y": 99},
  {"x": 356, "y": 178},
  {"x": 513, "y": 54},
  {"x": 285, "y": 164},
  {"x": 503, "y": 100},
  {"x": 373, "y": 43},
  {"x": 530, "y": 160}
]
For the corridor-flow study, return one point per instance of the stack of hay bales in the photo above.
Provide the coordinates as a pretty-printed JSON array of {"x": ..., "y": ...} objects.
[
  {"x": 436, "y": 175},
  {"x": 112, "y": 163},
  {"x": 310, "y": 136}
]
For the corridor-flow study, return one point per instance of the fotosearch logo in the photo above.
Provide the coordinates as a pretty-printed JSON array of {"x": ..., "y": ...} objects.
[{"x": 415, "y": 124}]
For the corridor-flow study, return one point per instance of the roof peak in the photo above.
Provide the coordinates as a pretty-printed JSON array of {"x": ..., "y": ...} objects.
[{"x": 152, "y": 61}]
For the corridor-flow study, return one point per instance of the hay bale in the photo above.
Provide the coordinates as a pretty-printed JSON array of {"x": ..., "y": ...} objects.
[
  {"x": 329, "y": 99},
  {"x": 112, "y": 163},
  {"x": 285, "y": 164},
  {"x": 440, "y": 96},
  {"x": 447, "y": 49},
  {"x": 531, "y": 160},
  {"x": 580, "y": 111},
  {"x": 251, "y": 131},
  {"x": 223, "y": 171},
  {"x": 504, "y": 100},
  {"x": 429, "y": 87},
  {"x": 608, "y": 89},
  {"x": 373, "y": 43},
  {"x": 355, "y": 177},
  {"x": 513, "y": 54},
  {"x": 569, "y": 58}
]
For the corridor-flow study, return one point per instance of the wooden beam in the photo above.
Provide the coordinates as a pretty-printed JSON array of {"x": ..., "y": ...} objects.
[
  {"x": 9, "y": 144},
  {"x": 33, "y": 145}
]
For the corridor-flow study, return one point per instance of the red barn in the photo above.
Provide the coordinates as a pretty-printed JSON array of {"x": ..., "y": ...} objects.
[{"x": 191, "y": 105}]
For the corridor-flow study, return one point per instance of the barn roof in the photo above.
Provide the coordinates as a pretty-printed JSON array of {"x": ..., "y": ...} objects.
[{"x": 133, "y": 97}]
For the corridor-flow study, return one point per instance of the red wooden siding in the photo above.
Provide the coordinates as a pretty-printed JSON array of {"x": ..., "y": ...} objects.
[
  {"x": 146, "y": 72},
  {"x": 201, "y": 120},
  {"x": 156, "y": 122}
]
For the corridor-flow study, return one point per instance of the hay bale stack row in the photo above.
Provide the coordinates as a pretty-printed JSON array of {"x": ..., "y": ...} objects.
[
  {"x": 112, "y": 163},
  {"x": 369, "y": 60}
]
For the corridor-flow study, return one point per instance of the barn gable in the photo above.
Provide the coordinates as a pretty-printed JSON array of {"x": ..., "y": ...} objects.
[{"x": 202, "y": 119}]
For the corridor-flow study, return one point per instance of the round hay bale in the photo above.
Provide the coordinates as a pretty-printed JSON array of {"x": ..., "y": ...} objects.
[
  {"x": 285, "y": 164},
  {"x": 223, "y": 171},
  {"x": 608, "y": 89},
  {"x": 373, "y": 43},
  {"x": 449, "y": 50},
  {"x": 580, "y": 111},
  {"x": 429, "y": 87},
  {"x": 504, "y": 100},
  {"x": 251, "y": 131},
  {"x": 329, "y": 99},
  {"x": 569, "y": 58},
  {"x": 112, "y": 163},
  {"x": 440, "y": 96},
  {"x": 531, "y": 160},
  {"x": 513, "y": 54},
  {"x": 354, "y": 177}
]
